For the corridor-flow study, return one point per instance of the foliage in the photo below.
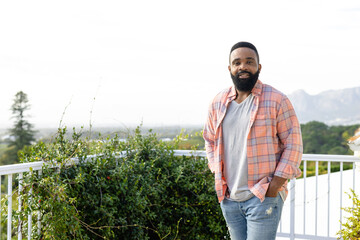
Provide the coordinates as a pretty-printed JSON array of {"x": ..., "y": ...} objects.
[
  {"x": 135, "y": 189},
  {"x": 351, "y": 228},
  {"x": 192, "y": 141},
  {"x": 319, "y": 138},
  {"x": 22, "y": 133}
]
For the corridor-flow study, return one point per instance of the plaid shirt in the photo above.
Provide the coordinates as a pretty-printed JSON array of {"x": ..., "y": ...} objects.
[{"x": 274, "y": 143}]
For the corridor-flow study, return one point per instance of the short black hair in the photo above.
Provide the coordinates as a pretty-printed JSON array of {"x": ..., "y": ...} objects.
[{"x": 247, "y": 45}]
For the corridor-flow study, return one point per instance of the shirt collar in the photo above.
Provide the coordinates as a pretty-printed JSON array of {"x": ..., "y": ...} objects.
[
  {"x": 257, "y": 88},
  {"x": 256, "y": 91}
]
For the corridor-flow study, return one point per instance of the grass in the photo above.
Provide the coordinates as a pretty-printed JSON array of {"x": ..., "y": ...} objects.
[{"x": 323, "y": 168}]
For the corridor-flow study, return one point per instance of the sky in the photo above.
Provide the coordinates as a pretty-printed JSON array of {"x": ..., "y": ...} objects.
[{"x": 160, "y": 62}]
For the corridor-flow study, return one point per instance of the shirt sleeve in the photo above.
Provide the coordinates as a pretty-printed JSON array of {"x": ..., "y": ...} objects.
[
  {"x": 209, "y": 137},
  {"x": 289, "y": 133}
]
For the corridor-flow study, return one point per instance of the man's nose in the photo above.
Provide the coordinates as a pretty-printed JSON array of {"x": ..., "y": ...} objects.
[{"x": 243, "y": 67}]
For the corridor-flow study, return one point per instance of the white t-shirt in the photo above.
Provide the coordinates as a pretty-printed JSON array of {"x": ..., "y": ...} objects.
[{"x": 235, "y": 132}]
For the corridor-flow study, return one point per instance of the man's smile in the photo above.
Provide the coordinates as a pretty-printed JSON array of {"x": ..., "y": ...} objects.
[{"x": 244, "y": 75}]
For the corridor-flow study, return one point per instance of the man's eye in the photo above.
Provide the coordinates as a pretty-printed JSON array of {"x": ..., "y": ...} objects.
[{"x": 250, "y": 62}]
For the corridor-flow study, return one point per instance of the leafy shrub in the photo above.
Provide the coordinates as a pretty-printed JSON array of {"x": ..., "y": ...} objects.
[
  {"x": 351, "y": 228},
  {"x": 146, "y": 193}
]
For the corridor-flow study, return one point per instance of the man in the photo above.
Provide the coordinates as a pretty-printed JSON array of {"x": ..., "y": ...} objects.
[{"x": 253, "y": 144}]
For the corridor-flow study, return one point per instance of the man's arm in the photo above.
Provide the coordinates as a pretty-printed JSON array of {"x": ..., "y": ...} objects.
[
  {"x": 289, "y": 133},
  {"x": 209, "y": 135}
]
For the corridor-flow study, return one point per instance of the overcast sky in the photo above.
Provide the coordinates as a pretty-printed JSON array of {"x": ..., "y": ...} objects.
[{"x": 161, "y": 61}]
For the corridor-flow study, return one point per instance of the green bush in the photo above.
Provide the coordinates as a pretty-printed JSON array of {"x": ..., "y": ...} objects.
[
  {"x": 146, "y": 194},
  {"x": 351, "y": 228}
]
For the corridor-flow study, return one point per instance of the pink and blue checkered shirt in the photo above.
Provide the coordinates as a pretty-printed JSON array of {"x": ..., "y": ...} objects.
[{"x": 274, "y": 143}]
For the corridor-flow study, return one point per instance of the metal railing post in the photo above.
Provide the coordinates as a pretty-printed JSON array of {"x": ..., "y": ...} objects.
[
  {"x": 20, "y": 205},
  {"x": 0, "y": 209},
  {"x": 9, "y": 220},
  {"x": 292, "y": 209},
  {"x": 30, "y": 214}
]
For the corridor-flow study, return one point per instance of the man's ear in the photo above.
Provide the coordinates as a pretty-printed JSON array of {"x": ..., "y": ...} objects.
[
  {"x": 230, "y": 68},
  {"x": 259, "y": 67}
]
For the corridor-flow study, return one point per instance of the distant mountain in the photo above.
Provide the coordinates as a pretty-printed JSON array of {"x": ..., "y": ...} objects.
[{"x": 334, "y": 107}]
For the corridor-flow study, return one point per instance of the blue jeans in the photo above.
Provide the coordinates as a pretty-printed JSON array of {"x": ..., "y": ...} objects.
[{"x": 252, "y": 219}]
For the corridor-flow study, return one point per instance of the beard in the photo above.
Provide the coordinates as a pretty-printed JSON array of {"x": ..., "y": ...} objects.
[{"x": 245, "y": 84}]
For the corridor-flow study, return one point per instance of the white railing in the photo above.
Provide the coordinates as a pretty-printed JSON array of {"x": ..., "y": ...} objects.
[
  {"x": 316, "y": 211},
  {"x": 305, "y": 205}
]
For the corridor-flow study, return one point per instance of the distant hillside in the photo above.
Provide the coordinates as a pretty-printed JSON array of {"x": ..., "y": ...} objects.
[{"x": 335, "y": 107}]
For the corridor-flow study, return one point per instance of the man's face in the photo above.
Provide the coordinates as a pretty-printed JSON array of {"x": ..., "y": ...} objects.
[{"x": 244, "y": 68}]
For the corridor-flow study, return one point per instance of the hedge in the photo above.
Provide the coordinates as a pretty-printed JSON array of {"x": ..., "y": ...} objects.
[{"x": 147, "y": 194}]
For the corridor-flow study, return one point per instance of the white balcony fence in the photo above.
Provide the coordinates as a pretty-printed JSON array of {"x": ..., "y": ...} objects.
[{"x": 313, "y": 209}]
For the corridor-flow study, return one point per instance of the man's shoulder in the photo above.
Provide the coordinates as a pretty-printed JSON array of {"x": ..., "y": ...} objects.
[
  {"x": 222, "y": 95},
  {"x": 270, "y": 92}
]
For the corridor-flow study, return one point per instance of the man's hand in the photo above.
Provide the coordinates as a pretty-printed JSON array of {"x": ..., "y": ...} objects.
[{"x": 274, "y": 186}]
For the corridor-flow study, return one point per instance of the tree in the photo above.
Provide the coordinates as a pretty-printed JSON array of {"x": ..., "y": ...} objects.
[
  {"x": 319, "y": 138},
  {"x": 22, "y": 133},
  {"x": 314, "y": 136}
]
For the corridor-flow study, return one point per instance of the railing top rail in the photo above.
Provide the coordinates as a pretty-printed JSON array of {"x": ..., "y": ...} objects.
[
  {"x": 306, "y": 157},
  {"x": 20, "y": 167},
  {"x": 198, "y": 153},
  {"x": 25, "y": 167},
  {"x": 330, "y": 158}
]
